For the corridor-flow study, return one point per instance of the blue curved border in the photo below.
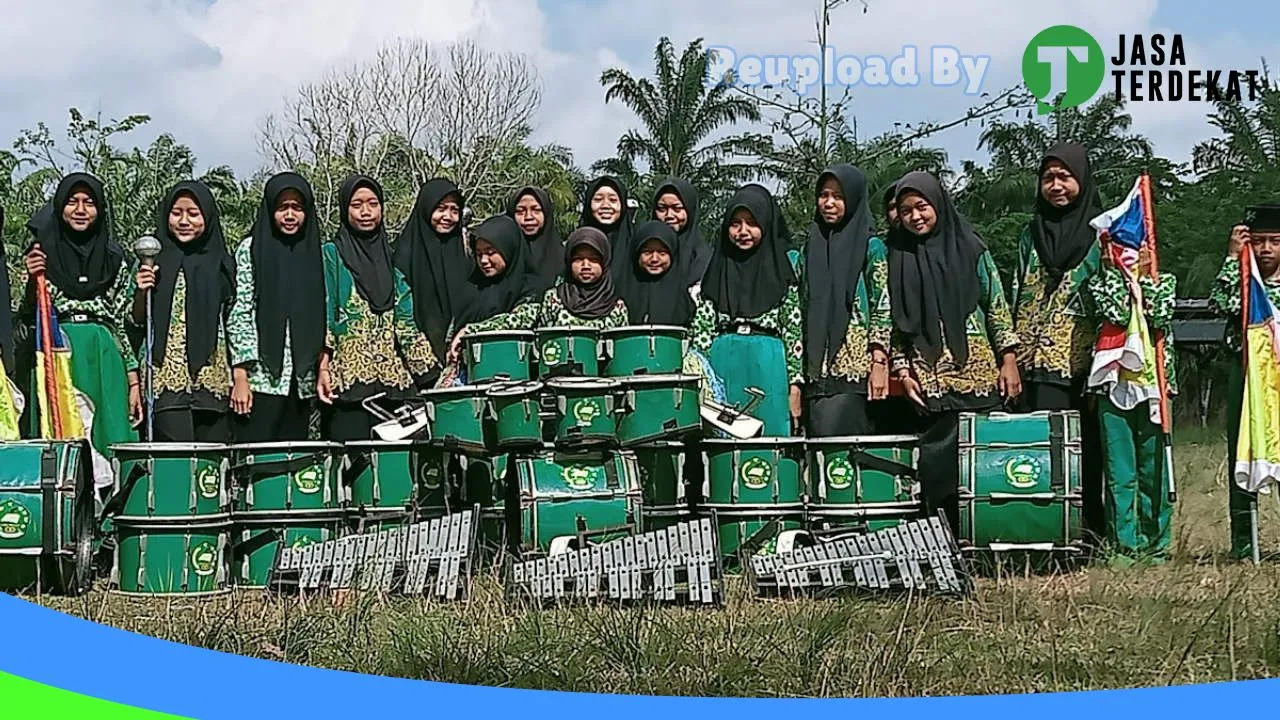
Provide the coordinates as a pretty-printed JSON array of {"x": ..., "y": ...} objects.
[{"x": 73, "y": 654}]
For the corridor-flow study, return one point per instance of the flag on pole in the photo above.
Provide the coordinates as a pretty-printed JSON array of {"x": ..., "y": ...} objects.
[
  {"x": 56, "y": 396},
  {"x": 1258, "y": 447}
]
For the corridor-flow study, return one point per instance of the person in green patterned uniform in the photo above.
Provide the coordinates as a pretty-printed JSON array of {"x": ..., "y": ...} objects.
[
  {"x": 193, "y": 284},
  {"x": 748, "y": 320},
  {"x": 532, "y": 210},
  {"x": 1139, "y": 513},
  {"x": 434, "y": 261},
  {"x": 1260, "y": 233},
  {"x": 847, "y": 319},
  {"x": 586, "y": 296},
  {"x": 277, "y": 324},
  {"x": 372, "y": 345},
  {"x": 954, "y": 348},
  {"x": 74, "y": 248},
  {"x": 1057, "y": 254}
]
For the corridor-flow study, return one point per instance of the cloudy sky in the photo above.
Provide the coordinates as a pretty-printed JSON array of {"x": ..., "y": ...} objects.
[{"x": 210, "y": 70}]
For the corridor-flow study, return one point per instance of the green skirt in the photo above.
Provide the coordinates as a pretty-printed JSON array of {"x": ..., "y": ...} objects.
[
  {"x": 98, "y": 371},
  {"x": 743, "y": 361}
]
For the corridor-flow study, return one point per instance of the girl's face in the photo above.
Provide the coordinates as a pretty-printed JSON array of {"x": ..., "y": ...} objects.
[
  {"x": 743, "y": 230},
  {"x": 917, "y": 214},
  {"x": 488, "y": 259},
  {"x": 586, "y": 265},
  {"x": 1058, "y": 185},
  {"x": 606, "y": 206},
  {"x": 81, "y": 210},
  {"x": 670, "y": 209},
  {"x": 290, "y": 214},
  {"x": 529, "y": 215},
  {"x": 364, "y": 212},
  {"x": 186, "y": 220},
  {"x": 655, "y": 258},
  {"x": 831, "y": 204},
  {"x": 445, "y": 216}
]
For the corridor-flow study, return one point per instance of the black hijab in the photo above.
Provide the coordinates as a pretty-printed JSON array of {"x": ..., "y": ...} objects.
[
  {"x": 619, "y": 231},
  {"x": 1063, "y": 235},
  {"x": 662, "y": 300},
  {"x": 208, "y": 270},
  {"x": 366, "y": 255},
  {"x": 889, "y": 199},
  {"x": 834, "y": 260},
  {"x": 6, "y": 311},
  {"x": 288, "y": 280},
  {"x": 546, "y": 248},
  {"x": 749, "y": 284},
  {"x": 83, "y": 265},
  {"x": 489, "y": 297},
  {"x": 436, "y": 266},
  {"x": 598, "y": 299},
  {"x": 933, "y": 280},
  {"x": 695, "y": 254}
]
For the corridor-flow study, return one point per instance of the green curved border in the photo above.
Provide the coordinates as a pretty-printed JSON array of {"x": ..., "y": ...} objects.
[{"x": 23, "y": 699}]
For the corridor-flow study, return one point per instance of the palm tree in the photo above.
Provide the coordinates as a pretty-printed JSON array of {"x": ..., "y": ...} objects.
[{"x": 1248, "y": 153}]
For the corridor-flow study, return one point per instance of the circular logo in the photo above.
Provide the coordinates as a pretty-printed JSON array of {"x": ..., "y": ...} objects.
[
  {"x": 756, "y": 473},
  {"x": 551, "y": 353},
  {"x": 577, "y": 477},
  {"x": 208, "y": 482},
  {"x": 14, "y": 520},
  {"x": 839, "y": 473},
  {"x": 586, "y": 411},
  {"x": 204, "y": 559},
  {"x": 429, "y": 475},
  {"x": 308, "y": 480},
  {"x": 1023, "y": 471},
  {"x": 1063, "y": 66}
]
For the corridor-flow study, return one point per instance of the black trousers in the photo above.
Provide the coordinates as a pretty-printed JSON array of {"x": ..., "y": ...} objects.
[
  {"x": 188, "y": 425},
  {"x": 275, "y": 418},
  {"x": 838, "y": 415},
  {"x": 940, "y": 465},
  {"x": 1041, "y": 396},
  {"x": 346, "y": 422}
]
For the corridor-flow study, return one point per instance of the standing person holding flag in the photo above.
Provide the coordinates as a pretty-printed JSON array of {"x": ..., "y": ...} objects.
[
  {"x": 1247, "y": 292},
  {"x": 1134, "y": 377}
]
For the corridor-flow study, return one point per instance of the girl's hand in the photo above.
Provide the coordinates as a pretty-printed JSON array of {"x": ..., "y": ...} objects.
[
  {"x": 1010, "y": 381},
  {"x": 241, "y": 395},
  {"x": 878, "y": 378},
  {"x": 35, "y": 260}
]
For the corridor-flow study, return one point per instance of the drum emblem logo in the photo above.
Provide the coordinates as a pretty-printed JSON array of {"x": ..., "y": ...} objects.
[
  {"x": 430, "y": 475},
  {"x": 14, "y": 520},
  {"x": 756, "y": 473},
  {"x": 204, "y": 559},
  {"x": 586, "y": 412},
  {"x": 839, "y": 474},
  {"x": 551, "y": 353},
  {"x": 207, "y": 481},
  {"x": 308, "y": 480},
  {"x": 1023, "y": 471},
  {"x": 577, "y": 477}
]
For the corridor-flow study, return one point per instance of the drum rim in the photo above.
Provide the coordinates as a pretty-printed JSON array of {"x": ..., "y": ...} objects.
[
  {"x": 499, "y": 334},
  {"x": 384, "y": 443},
  {"x": 761, "y": 441},
  {"x": 514, "y": 389},
  {"x": 862, "y": 439},
  {"x": 467, "y": 390},
  {"x": 566, "y": 330},
  {"x": 658, "y": 378},
  {"x": 304, "y": 444},
  {"x": 630, "y": 329},
  {"x": 584, "y": 383},
  {"x": 173, "y": 447}
]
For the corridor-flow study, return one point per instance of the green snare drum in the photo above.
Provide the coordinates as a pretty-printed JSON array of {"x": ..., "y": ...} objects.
[
  {"x": 514, "y": 408},
  {"x": 587, "y": 411},
  {"x": 46, "y": 516},
  {"x": 563, "y": 493},
  {"x": 257, "y": 541},
  {"x": 662, "y": 484},
  {"x": 659, "y": 407},
  {"x": 170, "y": 480},
  {"x": 498, "y": 355},
  {"x": 1020, "y": 482},
  {"x": 456, "y": 417},
  {"x": 403, "y": 475},
  {"x": 172, "y": 556},
  {"x": 644, "y": 350},
  {"x": 568, "y": 351},
  {"x": 276, "y": 477},
  {"x": 867, "y": 481},
  {"x": 752, "y": 484}
]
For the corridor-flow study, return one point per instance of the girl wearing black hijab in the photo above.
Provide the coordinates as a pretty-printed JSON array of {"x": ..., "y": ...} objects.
[
  {"x": 889, "y": 202},
  {"x": 847, "y": 319},
  {"x": 433, "y": 260},
  {"x": 74, "y": 248},
  {"x": 193, "y": 284},
  {"x": 534, "y": 213},
  {"x": 657, "y": 288},
  {"x": 604, "y": 207},
  {"x": 277, "y": 325},
  {"x": 1057, "y": 255},
  {"x": 748, "y": 320},
  {"x": 372, "y": 345},
  {"x": 953, "y": 340},
  {"x": 677, "y": 204},
  {"x": 587, "y": 295}
]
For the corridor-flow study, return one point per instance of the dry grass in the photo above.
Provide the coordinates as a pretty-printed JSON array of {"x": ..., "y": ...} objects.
[{"x": 1197, "y": 619}]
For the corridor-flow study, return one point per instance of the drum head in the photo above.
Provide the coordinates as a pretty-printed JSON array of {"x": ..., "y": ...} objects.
[
  {"x": 567, "y": 331},
  {"x": 672, "y": 379},
  {"x": 753, "y": 443},
  {"x": 168, "y": 448},
  {"x": 647, "y": 330},
  {"x": 455, "y": 393},
  {"x": 286, "y": 446}
]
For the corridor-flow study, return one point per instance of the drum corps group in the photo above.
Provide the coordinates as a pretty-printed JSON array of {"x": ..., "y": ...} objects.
[{"x": 893, "y": 319}]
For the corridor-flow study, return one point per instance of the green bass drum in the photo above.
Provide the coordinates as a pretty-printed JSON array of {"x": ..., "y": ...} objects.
[
  {"x": 753, "y": 485},
  {"x": 171, "y": 480},
  {"x": 174, "y": 556},
  {"x": 561, "y": 494},
  {"x": 278, "y": 477},
  {"x": 866, "y": 482},
  {"x": 46, "y": 516}
]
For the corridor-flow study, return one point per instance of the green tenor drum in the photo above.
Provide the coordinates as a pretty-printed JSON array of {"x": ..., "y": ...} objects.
[
  {"x": 515, "y": 409},
  {"x": 564, "y": 494},
  {"x": 170, "y": 480},
  {"x": 456, "y": 418},
  {"x": 663, "y": 484},
  {"x": 278, "y": 477},
  {"x": 659, "y": 407},
  {"x": 867, "y": 482},
  {"x": 568, "y": 351},
  {"x": 586, "y": 410},
  {"x": 405, "y": 475},
  {"x": 172, "y": 556},
  {"x": 755, "y": 487},
  {"x": 46, "y": 516},
  {"x": 644, "y": 350},
  {"x": 1020, "y": 482},
  {"x": 498, "y": 355},
  {"x": 257, "y": 542}
]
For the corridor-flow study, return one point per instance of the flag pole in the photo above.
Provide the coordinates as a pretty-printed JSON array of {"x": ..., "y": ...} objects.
[
  {"x": 1166, "y": 422},
  {"x": 1246, "y": 275},
  {"x": 50, "y": 375}
]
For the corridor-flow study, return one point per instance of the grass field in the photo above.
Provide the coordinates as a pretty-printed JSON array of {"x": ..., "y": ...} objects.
[{"x": 1198, "y": 619}]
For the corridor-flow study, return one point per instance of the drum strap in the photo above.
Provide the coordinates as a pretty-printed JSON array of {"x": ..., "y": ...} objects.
[
  {"x": 872, "y": 462},
  {"x": 272, "y": 468},
  {"x": 1057, "y": 451},
  {"x": 115, "y": 502},
  {"x": 49, "y": 495},
  {"x": 242, "y": 550},
  {"x": 611, "y": 475}
]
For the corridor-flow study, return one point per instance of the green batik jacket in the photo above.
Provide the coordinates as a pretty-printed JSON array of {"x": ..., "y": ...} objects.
[
  {"x": 174, "y": 386},
  {"x": 786, "y": 322},
  {"x": 870, "y": 322},
  {"x": 1226, "y": 298},
  {"x": 105, "y": 309},
  {"x": 370, "y": 351},
  {"x": 242, "y": 331},
  {"x": 990, "y": 333},
  {"x": 549, "y": 313},
  {"x": 1056, "y": 330},
  {"x": 1110, "y": 295}
]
